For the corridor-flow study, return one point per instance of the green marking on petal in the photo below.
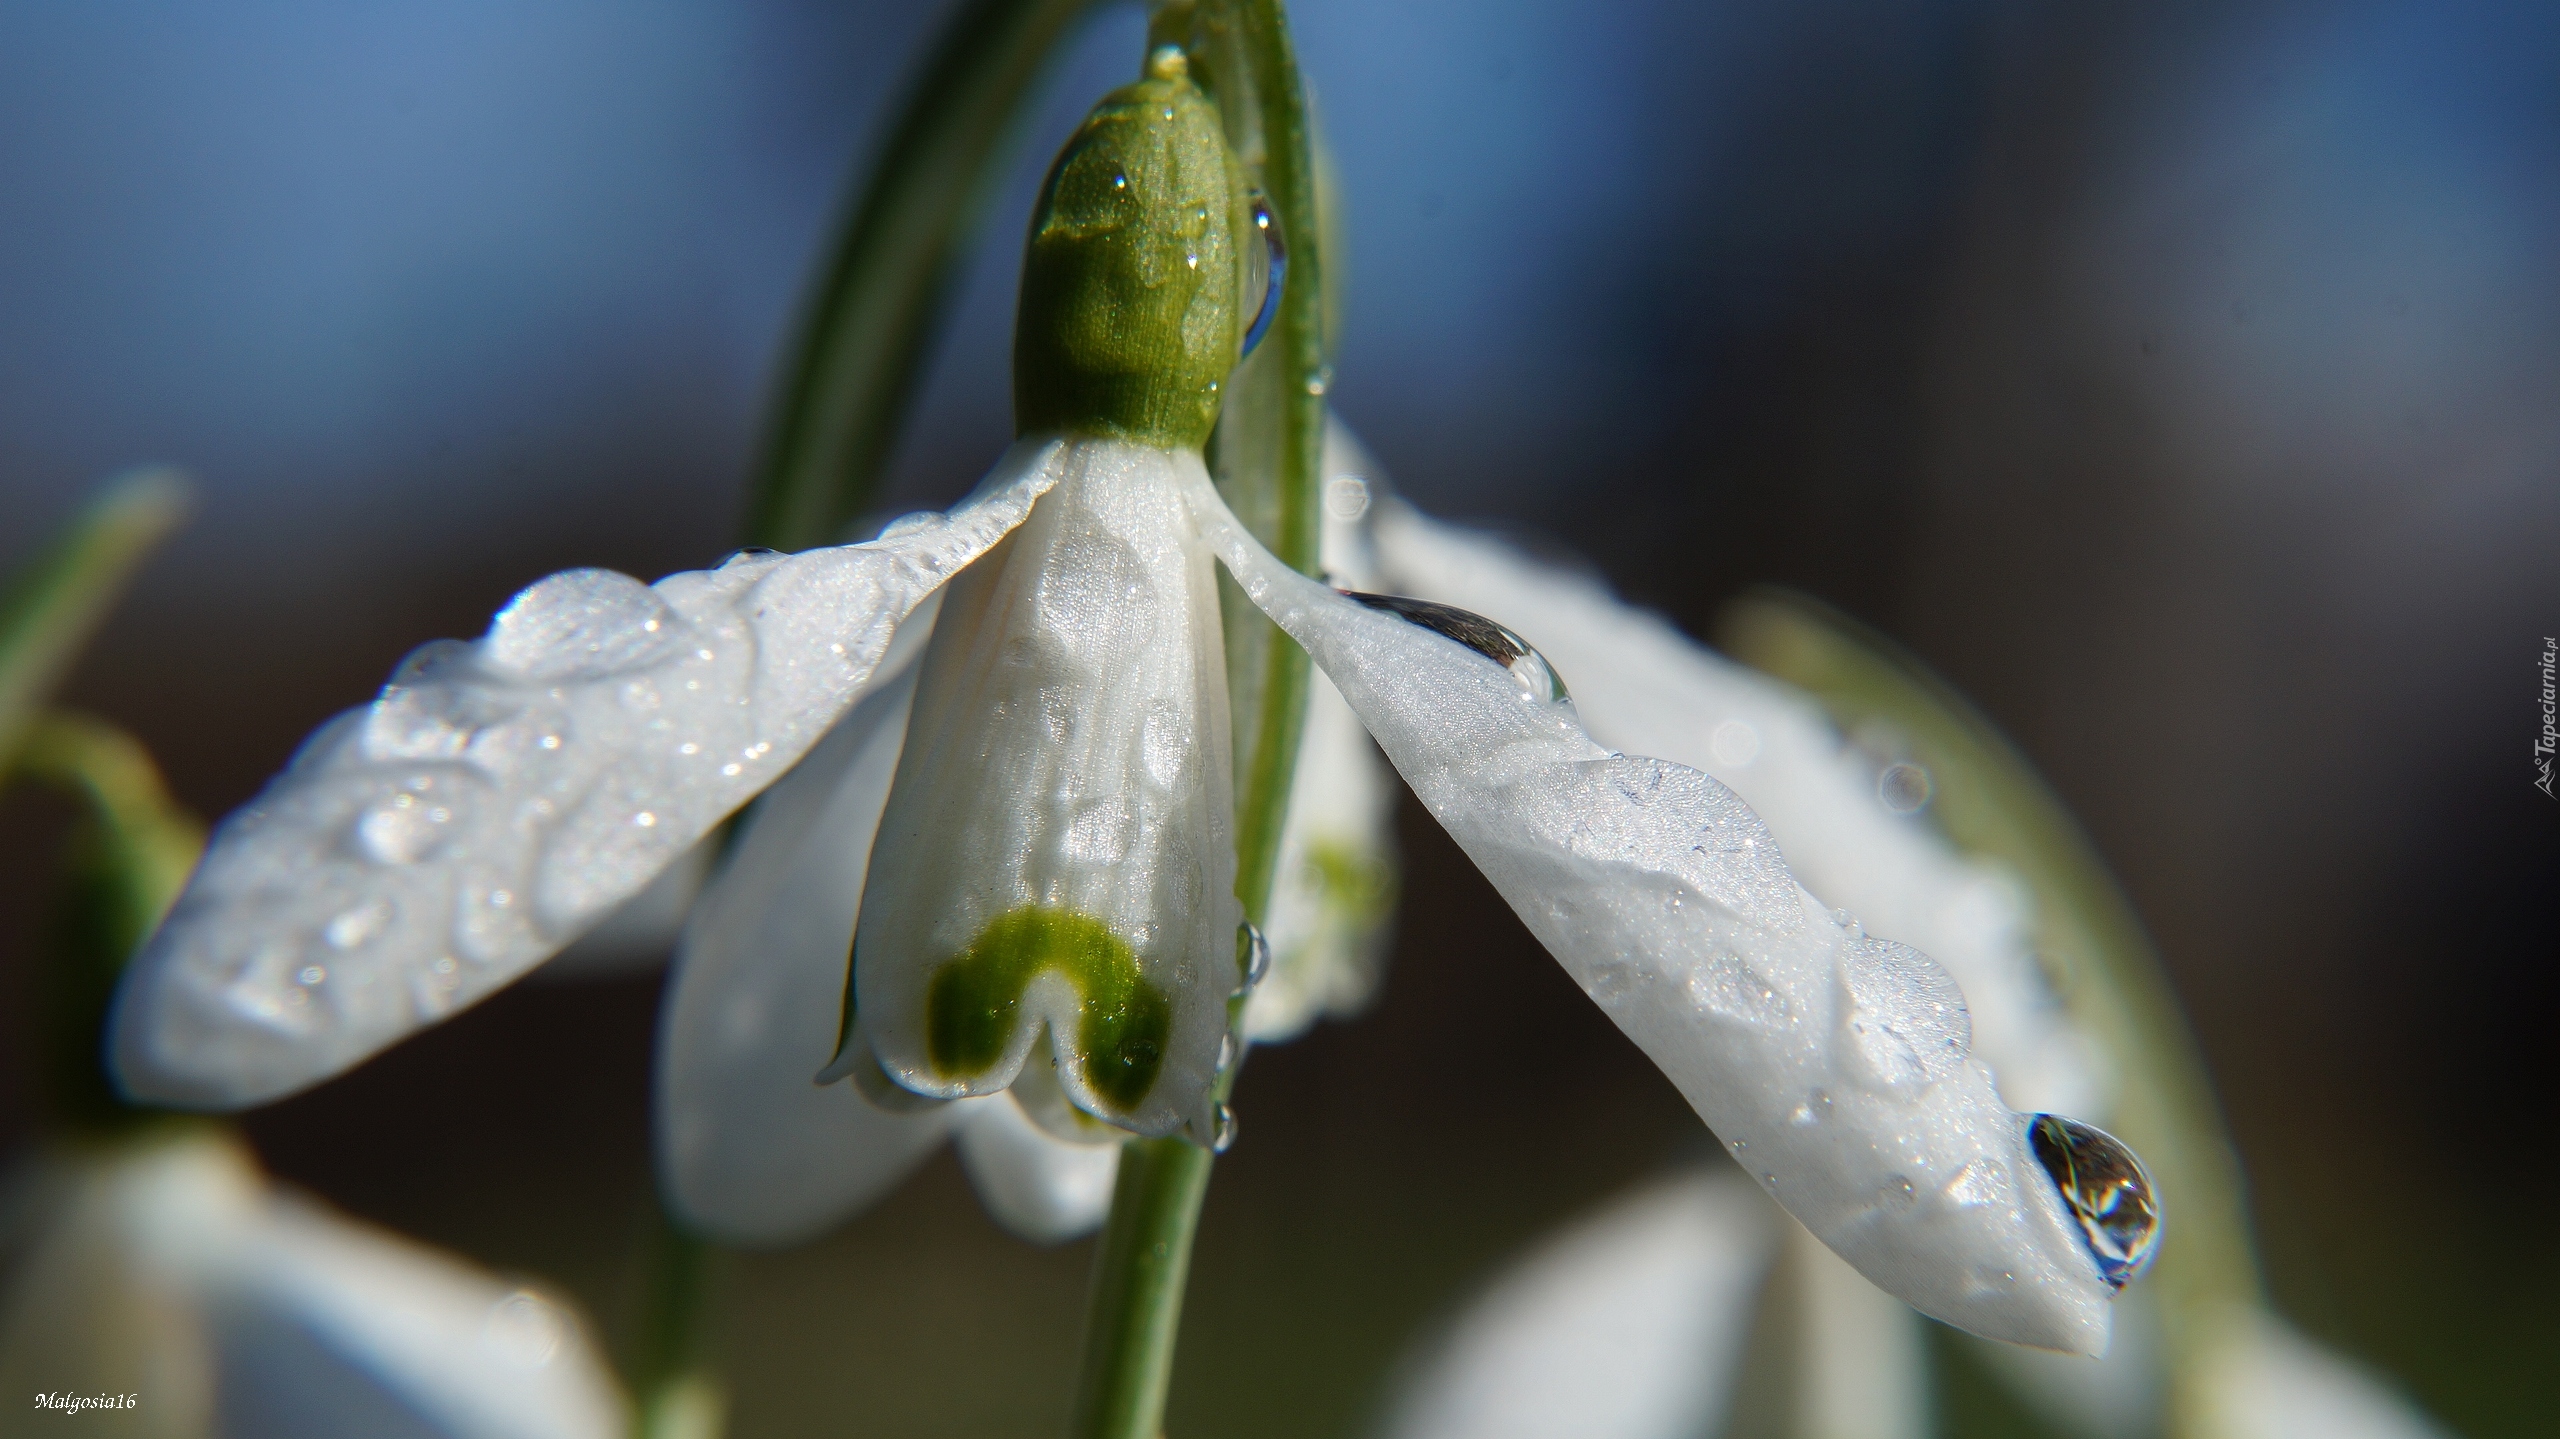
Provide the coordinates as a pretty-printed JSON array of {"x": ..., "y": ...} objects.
[{"x": 971, "y": 1005}]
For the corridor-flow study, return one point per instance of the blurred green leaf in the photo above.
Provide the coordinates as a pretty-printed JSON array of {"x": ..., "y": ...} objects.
[
  {"x": 123, "y": 868},
  {"x": 845, "y": 397},
  {"x": 53, "y": 606}
]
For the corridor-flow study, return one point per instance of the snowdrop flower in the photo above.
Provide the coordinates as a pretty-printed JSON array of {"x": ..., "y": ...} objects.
[
  {"x": 752, "y": 1153},
  {"x": 1047, "y": 905},
  {"x": 170, "y": 1269}
]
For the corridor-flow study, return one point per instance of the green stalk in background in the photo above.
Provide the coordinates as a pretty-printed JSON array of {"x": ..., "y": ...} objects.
[
  {"x": 845, "y": 397},
  {"x": 1989, "y": 801},
  {"x": 54, "y": 605},
  {"x": 676, "y": 1389},
  {"x": 1268, "y": 454},
  {"x": 124, "y": 868}
]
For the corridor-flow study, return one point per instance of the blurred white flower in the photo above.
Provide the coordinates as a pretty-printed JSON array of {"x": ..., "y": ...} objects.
[{"x": 168, "y": 1268}]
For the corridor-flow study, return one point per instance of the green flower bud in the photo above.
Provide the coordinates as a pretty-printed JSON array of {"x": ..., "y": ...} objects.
[{"x": 1131, "y": 291}]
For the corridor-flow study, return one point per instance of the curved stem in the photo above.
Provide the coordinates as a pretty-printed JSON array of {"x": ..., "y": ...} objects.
[
  {"x": 845, "y": 396},
  {"x": 1269, "y": 452}
]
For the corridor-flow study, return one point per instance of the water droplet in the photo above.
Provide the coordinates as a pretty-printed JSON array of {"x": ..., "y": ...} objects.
[
  {"x": 1849, "y": 922},
  {"x": 1346, "y": 497},
  {"x": 357, "y": 925},
  {"x": 1906, "y": 1018},
  {"x": 645, "y": 819},
  {"x": 1321, "y": 380},
  {"x": 1275, "y": 272},
  {"x": 1477, "y": 633},
  {"x": 1226, "y": 1052},
  {"x": 1226, "y": 1135},
  {"x": 1897, "y": 1191},
  {"x": 1167, "y": 62},
  {"x": 1903, "y": 787},
  {"x": 750, "y": 553},
  {"x": 524, "y": 1330},
  {"x": 2106, "y": 1190},
  {"x": 1734, "y": 743},
  {"x": 310, "y": 974},
  {"x": 1981, "y": 1183},
  {"x": 1253, "y": 956}
]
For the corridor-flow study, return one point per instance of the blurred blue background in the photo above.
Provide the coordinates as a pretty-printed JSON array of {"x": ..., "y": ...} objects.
[{"x": 2181, "y": 379}]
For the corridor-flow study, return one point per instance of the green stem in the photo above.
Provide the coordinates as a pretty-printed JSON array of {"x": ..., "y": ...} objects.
[
  {"x": 1138, "y": 1279},
  {"x": 53, "y": 606},
  {"x": 1990, "y": 801},
  {"x": 862, "y": 347},
  {"x": 676, "y": 1393},
  {"x": 1270, "y": 450}
]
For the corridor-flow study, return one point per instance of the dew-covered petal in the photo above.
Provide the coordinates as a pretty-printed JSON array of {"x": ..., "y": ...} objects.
[
  {"x": 1041, "y": 1187},
  {"x": 502, "y": 796},
  {"x": 750, "y": 1151},
  {"x": 1057, "y": 857},
  {"x": 1630, "y": 1323},
  {"x": 1642, "y": 687},
  {"x": 1835, "y": 1066}
]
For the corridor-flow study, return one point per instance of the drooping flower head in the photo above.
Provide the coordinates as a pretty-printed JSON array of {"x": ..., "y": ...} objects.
[{"x": 1047, "y": 904}]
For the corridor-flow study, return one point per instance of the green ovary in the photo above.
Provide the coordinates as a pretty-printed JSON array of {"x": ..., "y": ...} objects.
[{"x": 971, "y": 1006}]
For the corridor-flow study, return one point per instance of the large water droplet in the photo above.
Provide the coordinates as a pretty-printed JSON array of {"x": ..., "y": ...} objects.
[
  {"x": 581, "y": 624},
  {"x": 1253, "y": 956},
  {"x": 1906, "y": 1016},
  {"x": 1477, "y": 633},
  {"x": 2106, "y": 1190},
  {"x": 1275, "y": 274},
  {"x": 1904, "y": 787},
  {"x": 1226, "y": 1135}
]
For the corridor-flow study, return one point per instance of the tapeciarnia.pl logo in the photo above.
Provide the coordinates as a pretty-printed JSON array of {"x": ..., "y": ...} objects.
[
  {"x": 74, "y": 1403},
  {"x": 2550, "y": 738}
]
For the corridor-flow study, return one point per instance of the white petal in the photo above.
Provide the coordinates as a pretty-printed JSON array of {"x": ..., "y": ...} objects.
[
  {"x": 1630, "y": 1324},
  {"x": 1064, "y": 791},
  {"x": 1861, "y": 1360},
  {"x": 749, "y": 1149},
  {"x": 1834, "y": 1066},
  {"x": 501, "y": 796},
  {"x": 638, "y": 933},
  {"x": 326, "y": 1328},
  {"x": 1043, "y": 1188},
  {"x": 2116, "y": 1396},
  {"x": 2275, "y": 1384},
  {"x": 81, "y": 1316},
  {"x": 318, "y": 1326},
  {"x": 1644, "y": 688}
]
